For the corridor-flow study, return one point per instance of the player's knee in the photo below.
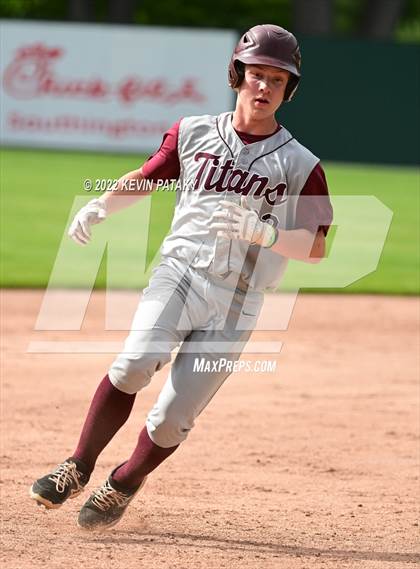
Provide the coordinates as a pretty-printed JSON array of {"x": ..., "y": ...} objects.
[
  {"x": 130, "y": 374},
  {"x": 168, "y": 428}
]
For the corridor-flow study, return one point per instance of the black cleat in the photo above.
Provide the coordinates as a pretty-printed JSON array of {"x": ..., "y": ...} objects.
[
  {"x": 106, "y": 505},
  {"x": 66, "y": 481}
]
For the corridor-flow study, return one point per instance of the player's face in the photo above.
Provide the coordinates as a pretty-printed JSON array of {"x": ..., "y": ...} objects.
[{"x": 262, "y": 89}]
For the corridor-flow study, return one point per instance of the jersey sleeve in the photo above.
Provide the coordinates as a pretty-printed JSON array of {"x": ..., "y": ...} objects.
[
  {"x": 316, "y": 213},
  {"x": 164, "y": 163}
]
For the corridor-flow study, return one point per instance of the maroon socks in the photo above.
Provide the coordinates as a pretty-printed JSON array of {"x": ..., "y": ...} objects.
[
  {"x": 146, "y": 457},
  {"x": 109, "y": 410}
]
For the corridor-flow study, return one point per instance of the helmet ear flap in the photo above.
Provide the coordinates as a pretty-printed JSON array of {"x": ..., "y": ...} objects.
[
  {"x": 240, "y": 71},
  {"x": 236, "y": 73},
  {"x": 291, "y": 88}
]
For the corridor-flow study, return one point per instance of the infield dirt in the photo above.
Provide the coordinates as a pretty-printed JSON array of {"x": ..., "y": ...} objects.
[{"x": 312, "y": 466}]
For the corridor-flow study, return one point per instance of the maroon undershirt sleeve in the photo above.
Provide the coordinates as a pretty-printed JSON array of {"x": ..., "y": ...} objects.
[
  {"x": 164, "y": 163},
  {"x": 314, "y": 213}
]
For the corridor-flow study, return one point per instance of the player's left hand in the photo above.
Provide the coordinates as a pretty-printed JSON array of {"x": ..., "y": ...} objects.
[{"x": 236, "y": 221}]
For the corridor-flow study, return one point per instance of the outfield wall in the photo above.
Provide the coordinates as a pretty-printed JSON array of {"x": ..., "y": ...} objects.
[
  {"x": 102, "y": 87},
  {"x": 118, "y": 88},
  {"x": 358, "y": 101}
]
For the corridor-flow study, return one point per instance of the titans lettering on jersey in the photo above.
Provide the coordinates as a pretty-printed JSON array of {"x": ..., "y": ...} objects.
[
  {"x": 223, "y": 177},
  {"x": 212, "y": 162}
]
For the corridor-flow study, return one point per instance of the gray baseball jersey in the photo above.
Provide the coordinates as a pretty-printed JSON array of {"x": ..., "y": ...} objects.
[{"x": 271, "y": 173}]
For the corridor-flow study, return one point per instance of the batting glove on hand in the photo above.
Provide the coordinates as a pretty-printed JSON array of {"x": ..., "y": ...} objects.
[
  {"x": 92, "y": 213},
  {"x": 240, "y": 222}
]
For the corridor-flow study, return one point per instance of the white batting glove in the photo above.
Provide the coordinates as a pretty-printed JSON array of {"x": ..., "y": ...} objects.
[
  {"x": 240, "y": 222},
  {"x": 92, "y": 213}
]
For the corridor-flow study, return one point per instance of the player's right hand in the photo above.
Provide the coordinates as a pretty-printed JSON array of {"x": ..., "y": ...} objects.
[
  {"x": 236, "y": 221},
  {"x": 92, "y": 213}
]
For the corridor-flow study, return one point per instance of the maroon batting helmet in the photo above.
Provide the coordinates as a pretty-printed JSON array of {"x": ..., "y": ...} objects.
[{"x": 267, "y": 45}]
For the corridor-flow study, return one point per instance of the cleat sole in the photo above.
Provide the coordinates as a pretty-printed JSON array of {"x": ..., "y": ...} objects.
[
  {"x": 99, "y": 527},
  {"x": 41, "y": 501}
]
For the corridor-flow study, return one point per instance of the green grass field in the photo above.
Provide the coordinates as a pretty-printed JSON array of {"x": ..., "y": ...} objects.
[{"x": 39, "y": 189}]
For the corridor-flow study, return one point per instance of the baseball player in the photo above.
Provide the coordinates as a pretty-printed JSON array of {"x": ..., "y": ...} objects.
[{"x": 245, "y": 205}]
